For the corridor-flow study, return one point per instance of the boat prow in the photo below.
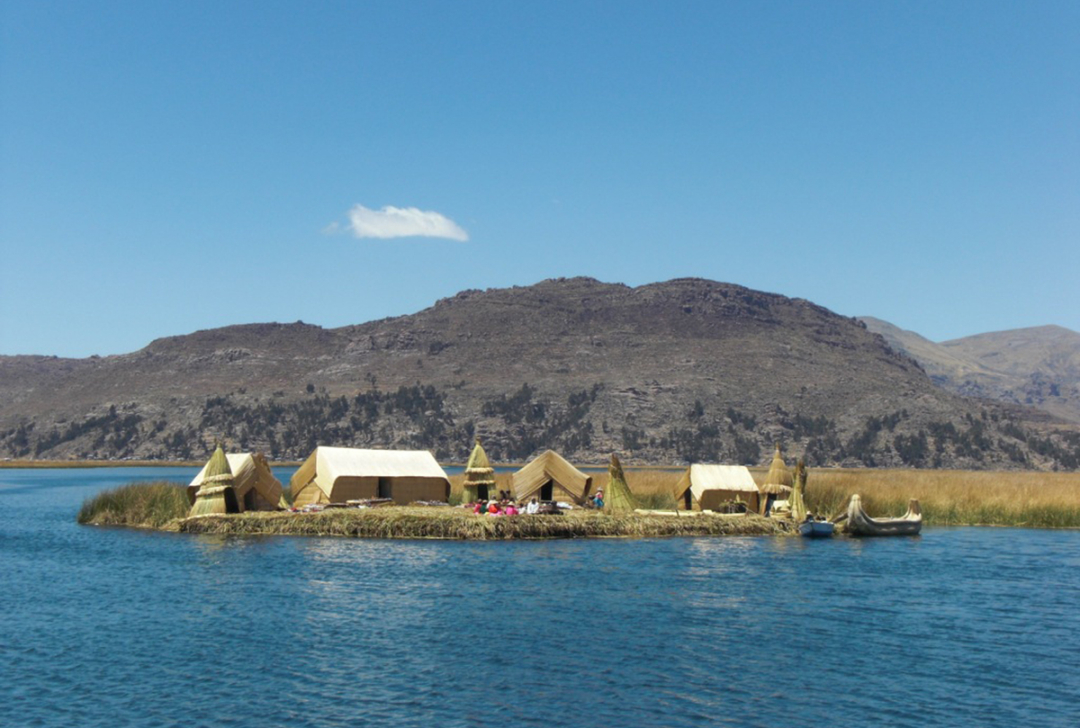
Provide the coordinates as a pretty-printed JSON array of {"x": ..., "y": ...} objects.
[{"x": 860, "y": 524}]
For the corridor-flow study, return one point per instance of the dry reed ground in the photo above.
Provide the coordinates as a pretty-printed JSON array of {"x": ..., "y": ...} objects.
[{"x": 459, "y": 523}]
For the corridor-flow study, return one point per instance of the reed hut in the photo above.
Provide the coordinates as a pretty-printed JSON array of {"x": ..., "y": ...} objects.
[
  {"x": 340, "y": 474},
  {"x": 479, "y": 476},
  {"x": 778, "y": 482},
  {"x": 708, "y": 487},
  {"x": 216, "y": 494},
  {"x": 618, "y": 498},
  {"x": 550, "y": 477},
  {"x": 255, "y": 486}
]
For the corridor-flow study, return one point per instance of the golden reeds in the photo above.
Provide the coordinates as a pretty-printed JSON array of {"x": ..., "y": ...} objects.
[
  {"x": 216, "y": 494},
  {"x": 459, "y": 523},
  {"x": 618, "y": 498},
  {"x": 140, "y": 505},
  {"x": 479, "y": 479}
]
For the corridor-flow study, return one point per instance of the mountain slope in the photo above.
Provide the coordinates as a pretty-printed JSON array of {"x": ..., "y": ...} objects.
[
  {"x": 1037, "y": 366},
  {"x": 668, "y": 372}
]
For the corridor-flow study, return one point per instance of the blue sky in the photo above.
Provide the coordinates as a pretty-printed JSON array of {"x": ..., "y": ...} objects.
[{"x": 173, "y": 166}]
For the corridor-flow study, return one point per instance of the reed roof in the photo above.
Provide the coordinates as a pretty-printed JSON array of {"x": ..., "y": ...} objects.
[
  {"x": 215, "y": 494},
  {"x": 249, "y": 470},
  {"x": 618, "y": 498},
  {"x": 779, "y": 478},
  {"x": 478, "y": 470},
  {"x": 549, "y": 465}
]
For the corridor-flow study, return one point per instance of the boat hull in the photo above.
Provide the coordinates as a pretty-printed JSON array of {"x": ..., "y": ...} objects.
[
  {"x": 816, "y": 529},
  {"x": 860, "y": 524}
]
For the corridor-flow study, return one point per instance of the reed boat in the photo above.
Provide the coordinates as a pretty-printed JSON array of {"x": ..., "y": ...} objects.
[{"x": 860, "y": 524}]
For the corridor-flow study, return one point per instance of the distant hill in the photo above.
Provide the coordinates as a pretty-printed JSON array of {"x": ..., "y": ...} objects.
[
  {"x": 686, "y": 370},
  {"x": 1037, "y": 366}
]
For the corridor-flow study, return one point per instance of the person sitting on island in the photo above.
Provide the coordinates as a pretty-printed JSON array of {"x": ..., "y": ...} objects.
[
  {"x": 480, "y": 508},
  {"x": 534, "y": 507},
  {"x": 493, "y": 509},
  {"x": 598, "y": 500},
  {"x": 510, "y": 509}
]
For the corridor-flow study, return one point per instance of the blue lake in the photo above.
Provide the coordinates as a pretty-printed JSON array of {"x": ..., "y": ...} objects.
[{"x": 111, "y": 627}]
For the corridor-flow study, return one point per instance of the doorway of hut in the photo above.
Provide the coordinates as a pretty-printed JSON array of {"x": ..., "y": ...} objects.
[
  {"x": 385, "y": 488},
  {"x": 688, "y": 500},
  {"x": 482, "y": 492},
  {"x": 547, "y": 491}
]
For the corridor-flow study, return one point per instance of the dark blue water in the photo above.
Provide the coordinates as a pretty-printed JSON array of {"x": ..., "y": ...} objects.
[{"x": 110, "y": 627}]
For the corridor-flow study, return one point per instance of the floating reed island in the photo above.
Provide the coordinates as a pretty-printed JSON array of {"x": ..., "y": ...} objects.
[{"x": 237, "y": 495}]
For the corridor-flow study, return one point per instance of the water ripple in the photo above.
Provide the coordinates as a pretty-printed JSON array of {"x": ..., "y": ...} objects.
[{"x": 107, "y": 627}]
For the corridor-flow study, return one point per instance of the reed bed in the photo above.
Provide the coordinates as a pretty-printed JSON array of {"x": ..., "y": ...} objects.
[
  {"x": 414, "y": 522},
  {"x": 140, "y": 505},
  {"x": 953, "y": 497}
]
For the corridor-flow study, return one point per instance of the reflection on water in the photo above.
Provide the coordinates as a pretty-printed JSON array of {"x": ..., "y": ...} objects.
[{"x": 112, "y": 627}]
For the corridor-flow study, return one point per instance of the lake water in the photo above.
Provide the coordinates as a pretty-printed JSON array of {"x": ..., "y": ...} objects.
[{"x": 111, "y": 627}]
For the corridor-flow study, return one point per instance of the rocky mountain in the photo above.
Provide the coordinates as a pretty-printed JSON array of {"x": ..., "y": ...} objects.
[
  {"x": 666, "y": 373},
  {"x": 1037, "y": 366}
]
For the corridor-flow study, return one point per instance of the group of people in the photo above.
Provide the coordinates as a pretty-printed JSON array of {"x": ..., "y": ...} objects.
[{"x": 505, "y": 505}]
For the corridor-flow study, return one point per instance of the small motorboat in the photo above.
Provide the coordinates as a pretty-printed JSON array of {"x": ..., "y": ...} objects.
[
  {"x": 860, "y": 524},
  {"x": 816, "y": 529}
]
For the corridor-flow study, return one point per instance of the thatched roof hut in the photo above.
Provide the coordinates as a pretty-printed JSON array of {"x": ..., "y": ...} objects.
[
  {"x": 707, "y": 487},
  {"x": 340, "y": 474},
  {"x": 779, "y": 479},
  {"x": 777, "y": 485},
  {"x": 618, "y": 498},
  {"x": 216, "y": 494},
  {"x": 551, "y": 477},
  {"x": 255, "y": 486},
  {"x": 479, "y": 476}
]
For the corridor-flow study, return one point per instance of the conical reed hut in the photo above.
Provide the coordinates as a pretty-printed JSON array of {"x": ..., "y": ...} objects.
[
  {"x": 255, "y": 486},
  {"x": 618, "y": 498},
  {"x": 479, "y": 476},
  {"x": 216, "y": 494},
  {"x": 778, "y": 482}
]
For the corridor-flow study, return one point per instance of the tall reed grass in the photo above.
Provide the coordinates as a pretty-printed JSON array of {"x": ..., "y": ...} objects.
[
  {"x": 142, "y": 505},
  {"x": 954, "y": 497}
]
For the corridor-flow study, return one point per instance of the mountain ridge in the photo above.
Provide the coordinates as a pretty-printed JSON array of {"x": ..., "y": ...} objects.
[
  {"x": 669, "y": 372},
  {"x": 1037, "y": 366}
]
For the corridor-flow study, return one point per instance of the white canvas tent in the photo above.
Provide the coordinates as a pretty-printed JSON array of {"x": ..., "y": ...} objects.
[
  {"x": 706, "y": 487},
  {"x": 256, "y": 487},
  {"x": 339, "y": 474}
]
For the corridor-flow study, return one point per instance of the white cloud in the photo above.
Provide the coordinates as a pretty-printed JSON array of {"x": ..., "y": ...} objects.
[{"x": 400, "y": 222}]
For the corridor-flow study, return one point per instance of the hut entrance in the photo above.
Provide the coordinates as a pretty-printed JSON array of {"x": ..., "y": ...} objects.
[
  {"x": 547, "y": 491},
  {"x": 384, "y": 488},
  {"x": 482, "y": 492},
  {"x": 688, "y": 500}
]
